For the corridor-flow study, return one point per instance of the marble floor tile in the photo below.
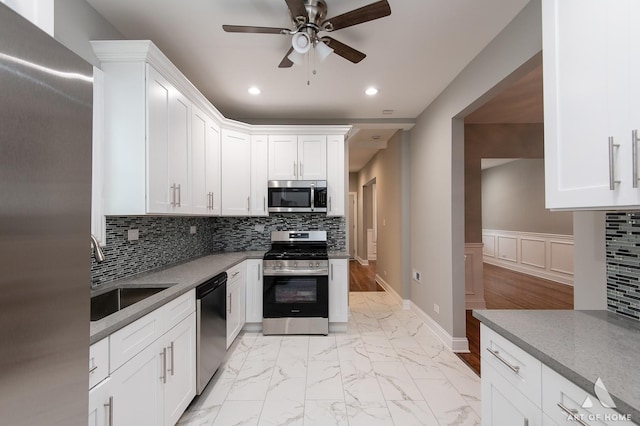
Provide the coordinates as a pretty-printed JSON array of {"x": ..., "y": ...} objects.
[{"x": 389, "y": 368}]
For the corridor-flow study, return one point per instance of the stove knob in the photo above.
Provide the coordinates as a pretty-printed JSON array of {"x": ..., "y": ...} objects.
[
  {"x": 295, "y": 264},
  {"x": 317, "y": 264},
  {"x": 311, "y": 264}
]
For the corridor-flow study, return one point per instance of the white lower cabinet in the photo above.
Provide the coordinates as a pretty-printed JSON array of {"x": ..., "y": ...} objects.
[
  {"x": 503, "y": 404},
  {"x": 254, "y": 291},
  {"x": 100, "y": 404},
  {"x": 339, "y": 290},
  {"x": 235, "y": 301},
  {"x": 156, "y": 386}
]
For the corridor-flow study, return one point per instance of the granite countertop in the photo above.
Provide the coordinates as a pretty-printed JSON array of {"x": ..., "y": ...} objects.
[
  {"x": 338, "y": 255},
  {"x": 179, "y": 279},
  {"x": 579, "y": 345}
]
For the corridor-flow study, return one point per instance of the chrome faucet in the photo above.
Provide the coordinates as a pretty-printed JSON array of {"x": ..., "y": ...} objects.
[{"x": 97, "y": 251}]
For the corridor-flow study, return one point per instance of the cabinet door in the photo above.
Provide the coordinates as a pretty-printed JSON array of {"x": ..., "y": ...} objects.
[
  {"x": 584, "y": 94},
  {"x": 338, "y": 290},
  {"x": 634, "y": 98},
  {"x": 235, "y": 304},
  {"x": 312, "y": 157},
  {"x": 180, "y": 388},
  {"x": 503, "y": 405},
  {"x": 205, "y": 160},
  {"x": 158, "y": 94},
  {"x": 259, "y": 176},
  {"x": 137, "y": 389},
  {"x": 336, "y": 170},
  {"x": 283, "y": 157},
  {"x": 179, "y": 152},
  {"x": 254, "y": 291},
  {"x": 100, "y": 403},
  {"x": 236, "y": 173}
]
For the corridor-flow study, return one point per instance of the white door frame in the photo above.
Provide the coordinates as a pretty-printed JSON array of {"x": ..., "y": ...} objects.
[{"x": 353, "y": 223}]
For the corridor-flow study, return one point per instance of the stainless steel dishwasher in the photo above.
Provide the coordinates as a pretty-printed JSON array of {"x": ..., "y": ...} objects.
[{"x": 211, "y": 340}]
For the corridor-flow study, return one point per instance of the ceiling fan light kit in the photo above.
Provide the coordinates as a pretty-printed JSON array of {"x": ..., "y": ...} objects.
[{"x": 308, "y": 18}]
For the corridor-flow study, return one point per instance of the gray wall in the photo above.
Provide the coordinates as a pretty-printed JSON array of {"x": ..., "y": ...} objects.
[
  {"x": 386, "y": 167},
  {"x": 513, "y": 200},
  {"x": 437, "y": 167},
  {"x": 76, "y": 23}
]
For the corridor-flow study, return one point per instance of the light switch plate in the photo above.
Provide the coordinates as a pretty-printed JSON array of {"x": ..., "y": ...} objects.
[{"x": 192, "y": 230}]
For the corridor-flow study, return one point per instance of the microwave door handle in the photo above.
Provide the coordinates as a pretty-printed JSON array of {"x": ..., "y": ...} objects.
[{"x": 313, "y": 197}]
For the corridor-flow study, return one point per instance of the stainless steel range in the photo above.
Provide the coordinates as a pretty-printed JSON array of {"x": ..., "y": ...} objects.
[{"x": 296, "y": 284}]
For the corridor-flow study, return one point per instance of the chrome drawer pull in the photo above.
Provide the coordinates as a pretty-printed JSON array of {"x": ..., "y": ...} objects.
[
  {"x": 574, "y": 414},
  {"x": 109, "y": 406},
  {"x": 612, "y": 173},
  {"x": 514, "y": 368},
  {"x": 163, "y": 354},
  {"x": 93, "y": 369}
]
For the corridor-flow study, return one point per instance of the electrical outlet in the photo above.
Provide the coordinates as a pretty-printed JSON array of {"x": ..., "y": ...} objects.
[
  {"x": 417, "y": 276},
  {"x": 192, "y": 230},
  {"x": 385, "y": 274},
  {"x": 436, "y": 308},
  {"x": 133, "y": 234}
]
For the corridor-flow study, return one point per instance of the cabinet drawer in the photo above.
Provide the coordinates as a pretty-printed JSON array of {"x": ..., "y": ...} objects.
[
  {"x": 559, "y": 395},
  {"x": 235, "y": 273},
  {"x": 130, "y": 340},
  {"x": 178, "y": 309},
  {"x": 518, "y": 367},
  {"x": 98, "y": 362}
]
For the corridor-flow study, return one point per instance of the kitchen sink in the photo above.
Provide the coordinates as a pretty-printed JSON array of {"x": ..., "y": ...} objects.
[{"x": 112, "y": 301}]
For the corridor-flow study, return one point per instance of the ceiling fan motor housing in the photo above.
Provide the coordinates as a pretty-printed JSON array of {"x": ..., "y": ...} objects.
[{"x": 316, "y": 11}]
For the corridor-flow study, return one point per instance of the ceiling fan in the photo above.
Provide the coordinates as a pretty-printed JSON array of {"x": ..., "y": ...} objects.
[{"x": 308, "y": 17}]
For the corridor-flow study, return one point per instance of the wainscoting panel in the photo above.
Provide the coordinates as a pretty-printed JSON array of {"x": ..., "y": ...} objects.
[
  {"x": 489, "y": 245},
  {"x": 474, "y": 286},
  {"x": 508, "y": 248},
  {"x": 548, "y": 256}
]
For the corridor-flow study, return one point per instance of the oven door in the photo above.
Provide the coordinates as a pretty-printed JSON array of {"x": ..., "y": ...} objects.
[{"x": 296, "y": 296}]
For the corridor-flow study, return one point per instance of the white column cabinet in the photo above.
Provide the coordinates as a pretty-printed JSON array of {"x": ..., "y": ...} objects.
[
  {"x": 254, "y": 291},
  {"x": 236, "y": 173},
  {"x": 591, "y": 103},
  {"x": 205, "y": 160},
  {"x": 336, "y": 176},
  {"x": 235, "y": 301},
  {"x": 259, "y": 176},
  {"x": 338, "y": 290}
]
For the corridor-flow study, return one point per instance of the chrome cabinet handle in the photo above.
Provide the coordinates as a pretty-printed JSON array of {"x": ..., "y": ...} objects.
[
  {"x": 163, "y": 354},
  {"x": 331, "y": 272},
  {"x": 514, "y": 368},
  {"x": 230, "y": 300},
  {"x": 329, "y": 203},
  {"x": 526, "y": 422},
  {"x": 295, "y": 170},
  {"x": 573, "y": 413},
  {"x": 234, "y": 274},
  {"x": 612, "y": 173},
  {"x": 93, "y": 366},
  {"x": 259, "y": 271},
  {"x": 173, "y": 355},
  {"x": 264, "y": 204},
  {"x": 109, "y": 406},
  {"x": 179, "y": 196},
  {"x": 248, "y": 203},
  {"x": 634, "y": 148},
  {"x": 173, "y": 195}
]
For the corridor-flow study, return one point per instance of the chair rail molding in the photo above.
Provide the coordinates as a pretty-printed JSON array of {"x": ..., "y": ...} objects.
[{"x": 548, "y": 256}]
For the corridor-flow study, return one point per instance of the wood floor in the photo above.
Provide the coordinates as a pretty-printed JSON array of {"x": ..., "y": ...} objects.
[
  {"x": 363, "y": 278},
  {"x": 506, "y": 289}
]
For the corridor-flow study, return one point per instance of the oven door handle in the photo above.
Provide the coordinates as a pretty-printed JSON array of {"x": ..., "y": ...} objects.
[
  {"x": 313, "y": 196},
  {"x": 295, "y": 273}
]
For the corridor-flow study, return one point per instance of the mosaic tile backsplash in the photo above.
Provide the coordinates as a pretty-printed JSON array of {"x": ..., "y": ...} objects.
[
  {"x": 166, "y": 240},
  {"x": 623, "y": 263}
]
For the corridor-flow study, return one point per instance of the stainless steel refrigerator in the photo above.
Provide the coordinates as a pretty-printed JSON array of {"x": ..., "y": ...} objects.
[{"x": 45, "y": 188}]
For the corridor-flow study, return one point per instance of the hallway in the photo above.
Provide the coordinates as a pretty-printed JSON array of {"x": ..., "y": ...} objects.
[{"x": 363, "y": 277}]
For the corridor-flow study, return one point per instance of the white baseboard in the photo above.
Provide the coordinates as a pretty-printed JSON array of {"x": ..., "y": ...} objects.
[
  {"x": 362, "y": 261},
  {"x": 455, "y": 344},
  {"x": 389, "y": 289}
]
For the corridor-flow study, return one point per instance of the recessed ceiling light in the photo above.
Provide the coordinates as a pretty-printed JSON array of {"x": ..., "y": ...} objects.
[
  {"x": 371, "y": 91},
  {"x": 254, "y": 90}
]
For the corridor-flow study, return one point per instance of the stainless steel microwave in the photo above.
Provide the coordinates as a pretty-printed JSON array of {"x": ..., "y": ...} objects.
[{"x": 297, "y": 196}]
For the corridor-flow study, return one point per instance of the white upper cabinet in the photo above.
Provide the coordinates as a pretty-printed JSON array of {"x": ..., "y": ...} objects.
[
  {"x": 236, "y": 173},
  {"x": 297, "y": 157},
  {"x": 205, "y": 147},
  {"x": 591, "y": 105},
  {"x": 336, "y": 175}
]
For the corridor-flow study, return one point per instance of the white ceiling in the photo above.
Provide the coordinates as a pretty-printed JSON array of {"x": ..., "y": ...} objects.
[{"x": 412, "y": 56}]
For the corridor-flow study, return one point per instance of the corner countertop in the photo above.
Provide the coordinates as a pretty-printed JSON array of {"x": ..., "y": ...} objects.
[
  {"x": 579, "y": 345},
  {"x": 179, "y": 279},
  {"x": 338, "y": 255}
]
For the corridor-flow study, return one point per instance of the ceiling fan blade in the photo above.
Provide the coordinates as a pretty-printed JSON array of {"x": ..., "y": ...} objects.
[
  {"x": 297, "y": 8},
  {"x": 341, "y": 49},
  {"x": 258, "y": 30},
  {"x": 376, "y": 10},
  {"x": 286, "y": 62}
]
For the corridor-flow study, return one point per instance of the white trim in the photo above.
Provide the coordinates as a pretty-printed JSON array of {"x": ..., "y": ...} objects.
[
  {"x": 354, "y": 225},
  {"x": 518, "y": 261},
  {"x": 389, "y": 289},
  {"x": 362, "y": 261},
  {"x": 455, "y": 344}
]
